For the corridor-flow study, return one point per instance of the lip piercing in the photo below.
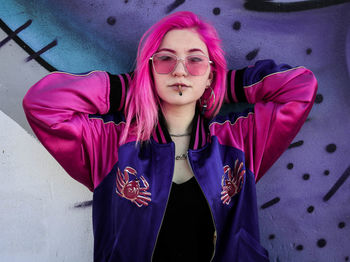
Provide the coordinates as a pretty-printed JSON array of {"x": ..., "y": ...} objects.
[{"x": 180, "y": 91}]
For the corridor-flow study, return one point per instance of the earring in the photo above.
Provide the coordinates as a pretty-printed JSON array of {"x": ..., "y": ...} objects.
[{"x": 204, "y": 103}]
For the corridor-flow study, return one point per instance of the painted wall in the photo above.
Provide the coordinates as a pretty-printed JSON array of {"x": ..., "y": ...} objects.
[{"x": 303, "y": 199}]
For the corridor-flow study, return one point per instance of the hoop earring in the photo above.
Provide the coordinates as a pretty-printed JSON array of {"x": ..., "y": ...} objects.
[{"x": 204, "y": 103}]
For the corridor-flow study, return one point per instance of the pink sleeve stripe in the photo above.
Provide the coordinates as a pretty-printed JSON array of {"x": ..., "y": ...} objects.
[
  {"x": 129, "y": 80},
  {"x": 154, "y": 135},
  {"x": 161, "y": 133},
  {"x": 232, "y": 86},
  {"x": 230, "y": 95},
  {"x": 203, "y": 132},
  {"x": 196, "y": 142},
  {"x": 123, "y": 93},
  {"x": 226, "y": 99}
]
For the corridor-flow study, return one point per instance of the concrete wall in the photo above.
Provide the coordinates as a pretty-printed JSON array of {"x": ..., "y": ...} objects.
[{"x": 303, "y": 199}]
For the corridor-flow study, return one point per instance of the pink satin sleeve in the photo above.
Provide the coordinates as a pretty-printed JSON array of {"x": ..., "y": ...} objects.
[
  {"x": 283, "y": 100},
  {"x": 58, "y": 109}
]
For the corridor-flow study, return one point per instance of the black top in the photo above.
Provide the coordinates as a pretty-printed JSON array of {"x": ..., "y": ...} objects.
[{"x": 187, "y": 230}]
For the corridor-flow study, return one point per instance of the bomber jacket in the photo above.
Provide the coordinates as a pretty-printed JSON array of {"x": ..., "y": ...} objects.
[{"x": 79, "y": 119}]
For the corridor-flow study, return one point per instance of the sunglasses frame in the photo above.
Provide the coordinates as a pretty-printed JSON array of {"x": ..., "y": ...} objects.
[{"x": 177, "y": 62}]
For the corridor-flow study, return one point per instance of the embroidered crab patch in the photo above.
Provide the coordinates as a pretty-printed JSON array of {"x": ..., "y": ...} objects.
[
  {"x": 132, "y": 189},
  {"x": 232, "y": 182}
]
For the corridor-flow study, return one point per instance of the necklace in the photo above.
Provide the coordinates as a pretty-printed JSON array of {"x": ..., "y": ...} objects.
[
  {"x": 180, "y": 135},
  {"x": 181, "y": 157},
  {"x": 184, "y": 155}
]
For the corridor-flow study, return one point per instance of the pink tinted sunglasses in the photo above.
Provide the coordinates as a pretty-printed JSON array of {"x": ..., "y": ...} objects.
[{"x": 165, "y": 63}]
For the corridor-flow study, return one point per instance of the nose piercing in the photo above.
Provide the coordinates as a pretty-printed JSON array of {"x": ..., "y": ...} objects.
[{"x": 180, "y": 90}]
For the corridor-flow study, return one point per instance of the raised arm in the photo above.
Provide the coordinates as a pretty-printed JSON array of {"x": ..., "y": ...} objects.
[
  {"x": 67, "y": 113},
  {"x": 283, "y": 97}
]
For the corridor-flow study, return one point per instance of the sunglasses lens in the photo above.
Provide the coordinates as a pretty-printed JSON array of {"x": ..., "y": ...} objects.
[
  {"x": 197, "y": 64},
  {"x": 164, "y": 63}
]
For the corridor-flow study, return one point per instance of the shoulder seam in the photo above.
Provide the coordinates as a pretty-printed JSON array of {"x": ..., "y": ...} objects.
[
  {"x": 108, "y": 122},
  {"x": 275, "y": 73},
  {"x": 250, "y": 113},
  {"x": 65, "y": 73}
]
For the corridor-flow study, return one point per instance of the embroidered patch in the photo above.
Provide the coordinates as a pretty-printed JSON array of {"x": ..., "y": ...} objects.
[
  {"x": 131, "y": 189},
  {"x": 232, "y": 183}
]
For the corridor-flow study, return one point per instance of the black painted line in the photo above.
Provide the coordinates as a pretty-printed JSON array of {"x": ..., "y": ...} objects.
[
  {"x": 83, "y": 204},
  {"x": 296, "y": 144},
  {"x": 269, "y": 6},
  {"x": 337, "y": 184},
  {"x": 252, "y": 54},
  {"x": 271, "y": 203},
  {"x": 174, "y": 5},
  {"x": 41, "y": 51},
  {"x": 14, "y": 33},
  {"x": 26, "y": 48}
]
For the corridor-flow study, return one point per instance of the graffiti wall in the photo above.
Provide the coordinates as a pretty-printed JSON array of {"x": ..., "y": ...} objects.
[{"x": 304, "y": 198}]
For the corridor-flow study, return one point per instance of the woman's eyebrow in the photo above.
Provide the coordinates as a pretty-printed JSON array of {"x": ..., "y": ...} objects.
[
  {"x": 194, "y": 50},
  {"x": 167, "y": 49},
  {"x": 174, "y": 52}
]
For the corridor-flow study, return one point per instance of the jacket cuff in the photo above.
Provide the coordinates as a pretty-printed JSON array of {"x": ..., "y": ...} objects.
[
  {"x": 234, "y": 86},
  {"x": 118, "y": 88}
]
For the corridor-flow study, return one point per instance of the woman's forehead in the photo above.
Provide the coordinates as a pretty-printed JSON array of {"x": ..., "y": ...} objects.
[{"x": 183, "y": 41}]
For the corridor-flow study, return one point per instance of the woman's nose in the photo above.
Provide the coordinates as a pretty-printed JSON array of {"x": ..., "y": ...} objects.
[{"x": 180, "y": 68}]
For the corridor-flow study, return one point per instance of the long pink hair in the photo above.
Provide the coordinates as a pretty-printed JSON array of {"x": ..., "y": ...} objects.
[{"x": 142, "y": 103}]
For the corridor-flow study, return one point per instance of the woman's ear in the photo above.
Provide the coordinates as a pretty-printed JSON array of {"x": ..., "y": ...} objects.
[{"x": 210, "y": 79}]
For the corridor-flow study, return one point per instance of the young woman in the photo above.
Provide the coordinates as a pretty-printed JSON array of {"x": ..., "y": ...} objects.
[{"x": 172, "y": 180}]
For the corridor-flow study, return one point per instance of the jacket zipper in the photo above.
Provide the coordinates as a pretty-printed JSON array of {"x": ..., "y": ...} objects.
[
  {"x": 212, "y": 217},
  {"x": 161, "y": 223}
]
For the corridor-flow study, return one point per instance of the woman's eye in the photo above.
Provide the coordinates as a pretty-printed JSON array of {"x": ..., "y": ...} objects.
[
  {"x": 165, "y": 58},
  {"x": 195, "y": 59}
]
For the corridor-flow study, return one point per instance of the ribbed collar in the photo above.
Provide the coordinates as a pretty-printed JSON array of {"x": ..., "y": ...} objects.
[{"x": 199, "y": 135}]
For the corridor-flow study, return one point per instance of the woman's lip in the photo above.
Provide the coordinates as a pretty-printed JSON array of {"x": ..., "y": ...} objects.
[{"x": 177, "y": 85}]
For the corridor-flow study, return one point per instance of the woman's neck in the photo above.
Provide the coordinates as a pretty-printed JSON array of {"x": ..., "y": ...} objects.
[{"x": 179, "y": 119}]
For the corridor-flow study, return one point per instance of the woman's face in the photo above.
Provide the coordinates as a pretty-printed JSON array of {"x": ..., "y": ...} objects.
[{"x": 182, "y": 43}]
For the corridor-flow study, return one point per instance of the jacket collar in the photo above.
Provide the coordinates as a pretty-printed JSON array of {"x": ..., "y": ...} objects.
[{"x": 199, "y": 136}]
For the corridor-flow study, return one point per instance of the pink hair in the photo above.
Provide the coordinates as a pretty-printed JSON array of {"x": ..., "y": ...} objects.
[{"x": 143, "y": 104}]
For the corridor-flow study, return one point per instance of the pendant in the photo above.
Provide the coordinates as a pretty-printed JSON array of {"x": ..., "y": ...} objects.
[{"x": 181, "y": 157}]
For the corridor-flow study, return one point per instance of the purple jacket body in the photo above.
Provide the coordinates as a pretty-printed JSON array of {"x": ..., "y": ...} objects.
[{"x": 79, "y": 119}]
